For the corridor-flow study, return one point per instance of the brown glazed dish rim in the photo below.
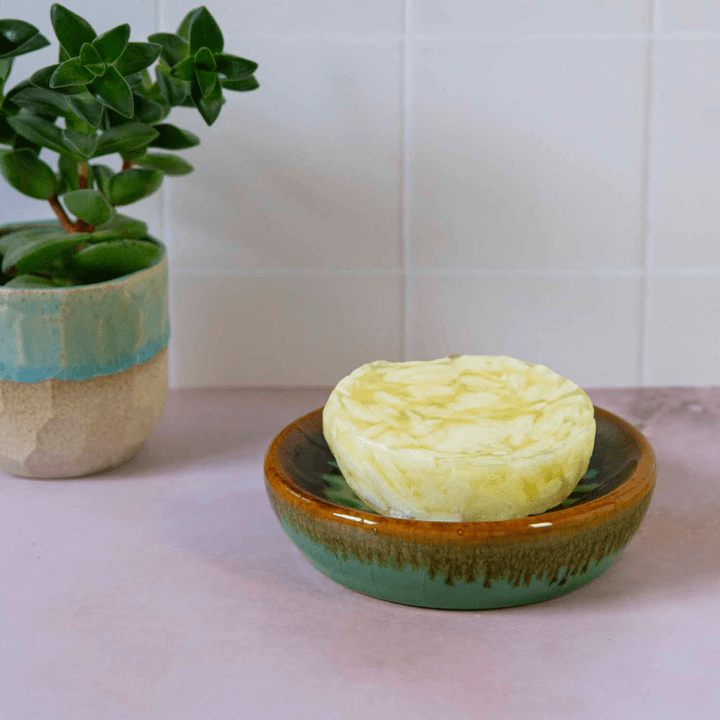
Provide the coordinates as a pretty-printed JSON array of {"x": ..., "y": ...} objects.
[{"x": 566, "y": 521}]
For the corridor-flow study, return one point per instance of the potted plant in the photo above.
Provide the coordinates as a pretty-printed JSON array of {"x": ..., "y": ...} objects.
[{"x": 83, "y": 297}]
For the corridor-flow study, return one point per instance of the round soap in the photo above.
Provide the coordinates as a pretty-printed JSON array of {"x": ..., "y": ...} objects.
[{"x": 463, "y": 438}]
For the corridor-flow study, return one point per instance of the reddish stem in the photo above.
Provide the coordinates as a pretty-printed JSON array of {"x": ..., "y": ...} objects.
[
  {"x": 82, "y": 176},
  {"x": 127, "y": 164},
  {"x": 68, "y": 225}
]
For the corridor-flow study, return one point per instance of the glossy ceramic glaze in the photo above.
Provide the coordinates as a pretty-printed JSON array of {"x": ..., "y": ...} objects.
[
  {"x": 83, "y": 373},
  {"x": 80, "y": 332},
  {"x": 460, "y": 565}
]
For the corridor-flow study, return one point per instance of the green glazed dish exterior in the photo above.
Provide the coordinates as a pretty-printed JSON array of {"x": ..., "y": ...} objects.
[{"x": 460, "y": 565}]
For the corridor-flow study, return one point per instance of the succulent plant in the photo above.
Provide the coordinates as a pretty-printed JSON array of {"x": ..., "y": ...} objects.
[{"x": 101, "y": 99}]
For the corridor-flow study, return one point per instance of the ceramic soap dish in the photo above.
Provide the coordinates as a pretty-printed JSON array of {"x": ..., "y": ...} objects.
[{"x": 460, "y": 565}]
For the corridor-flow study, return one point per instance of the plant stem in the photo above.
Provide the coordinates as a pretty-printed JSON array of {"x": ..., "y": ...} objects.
[
  {"x": 68, "y": 225},
  {"x": 127, "y": 164},
  {"x": 65, "y": 221},
  {"x": 83, "y": 176}
]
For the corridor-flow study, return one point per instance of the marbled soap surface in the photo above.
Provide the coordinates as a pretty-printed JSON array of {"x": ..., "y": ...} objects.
[{"x": 166, "y": 588}]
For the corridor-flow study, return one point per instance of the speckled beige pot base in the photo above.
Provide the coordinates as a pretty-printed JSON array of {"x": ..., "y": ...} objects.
[{"x": 69, "y": 428}]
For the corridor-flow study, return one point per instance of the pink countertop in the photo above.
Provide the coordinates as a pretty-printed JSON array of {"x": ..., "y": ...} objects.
[{"x": 166, "y": 589}]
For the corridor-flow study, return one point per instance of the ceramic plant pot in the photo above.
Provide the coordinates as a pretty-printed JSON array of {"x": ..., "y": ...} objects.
[
  {"x": 460, "y": 565},
  {"x": 83, "y": 373}
]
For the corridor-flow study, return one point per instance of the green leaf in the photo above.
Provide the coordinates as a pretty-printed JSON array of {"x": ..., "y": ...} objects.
[
  {"x": 206, "y": 80},
  {"x": 101, "y": 175},
  {"x": 25, "y": 233},
  {"x": 125, "y": 138},
  {"x": 86, "y": 108},
  {"x": 136, "y": 81},
  {"x": 209, "y": 106},
  {"x": 89, "y": 205},
  {"x": 18, "y": 37},
  {"x": 68, "y": 170},
  {"x": 7, "y": 102},
  {"x": 113, "y": 119},
  {"x": 204, "y": 59},
  {"x": 137, "y": 57},
  {"x": 7, "y": 134},
  {"x": 41, "y": 79},
  {"x": 82, "y": 143},
  {"x": 44, "y": 133},
  {"x": 233, "y": 67},
  {"x": 174, "y": 48},
  {"x": 120, "y": 226},
  {"x": 244, "y": 85},
  {"x": 174, "y": 91},
  {"x": 183, "y": 30},
  {"x": 49, "y": 224},
  {"x": 184, "y": 70},
  {"x": 153, "y": 93},
  {"x": 43, "y": 255},
  {"x": 584, "y": 488},
  {"x": 30, "y": 281},
  {"x": 91, "y": 60},
  {"x": 111, "y": 44},
  {"x": 71, "y": 73},
  {"x": 5, "y": 68},
  {"x": 116, "y": 257},
  {"x": 21, "y": 143},
  {"x": 171, "y": 137},
  {"x": 148, "y": 111},
  {"x": 71, "y": 30},
  {"x": 27, "y": 173},
  {"x": 39, "y": 281},
  {"x": 113, "y": 91},
  {"x": 41, "y": 101},
  {"x": 72, "y": 122},
  {"x": 203, "y": 31},
  {"x": 165, "y": 162},
  {"x": 132, "y": 185}
]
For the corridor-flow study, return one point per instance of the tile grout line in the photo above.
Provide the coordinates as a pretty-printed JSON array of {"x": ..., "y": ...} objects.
[
  {"x": 400, "y": 272},
  {"x": 405, "y": 311},
  {"x": 465, "y": 38},
  {"x": 648, "y": 245}
]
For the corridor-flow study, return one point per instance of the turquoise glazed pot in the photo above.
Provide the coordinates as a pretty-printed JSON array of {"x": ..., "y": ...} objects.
[
  {"x": 459, "y": 565},
  {"x": 83, "y": 373}
]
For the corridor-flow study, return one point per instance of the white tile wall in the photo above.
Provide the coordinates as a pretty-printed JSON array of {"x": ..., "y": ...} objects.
[
  {"x": 290, "y": 17},
  {"x": 683, "y": 336},
  {"x": 303, "y": 173},
  {"x": 686, "y": 154},
  {"x": 281, "y": 328},
  {"x": 688, "y": 15},
  {"x": 581, "y": 325},
  {"x": 417, "y": 177},
  {"x": 527, "y": 153},
  {"x": 514, "y": 17}
]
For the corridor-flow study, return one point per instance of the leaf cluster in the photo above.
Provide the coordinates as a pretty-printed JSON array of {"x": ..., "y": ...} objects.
[{"x": 106, "y": 95}]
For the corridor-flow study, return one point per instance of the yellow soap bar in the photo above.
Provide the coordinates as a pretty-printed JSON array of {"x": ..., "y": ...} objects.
[{"x": 463, "y": 438}]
